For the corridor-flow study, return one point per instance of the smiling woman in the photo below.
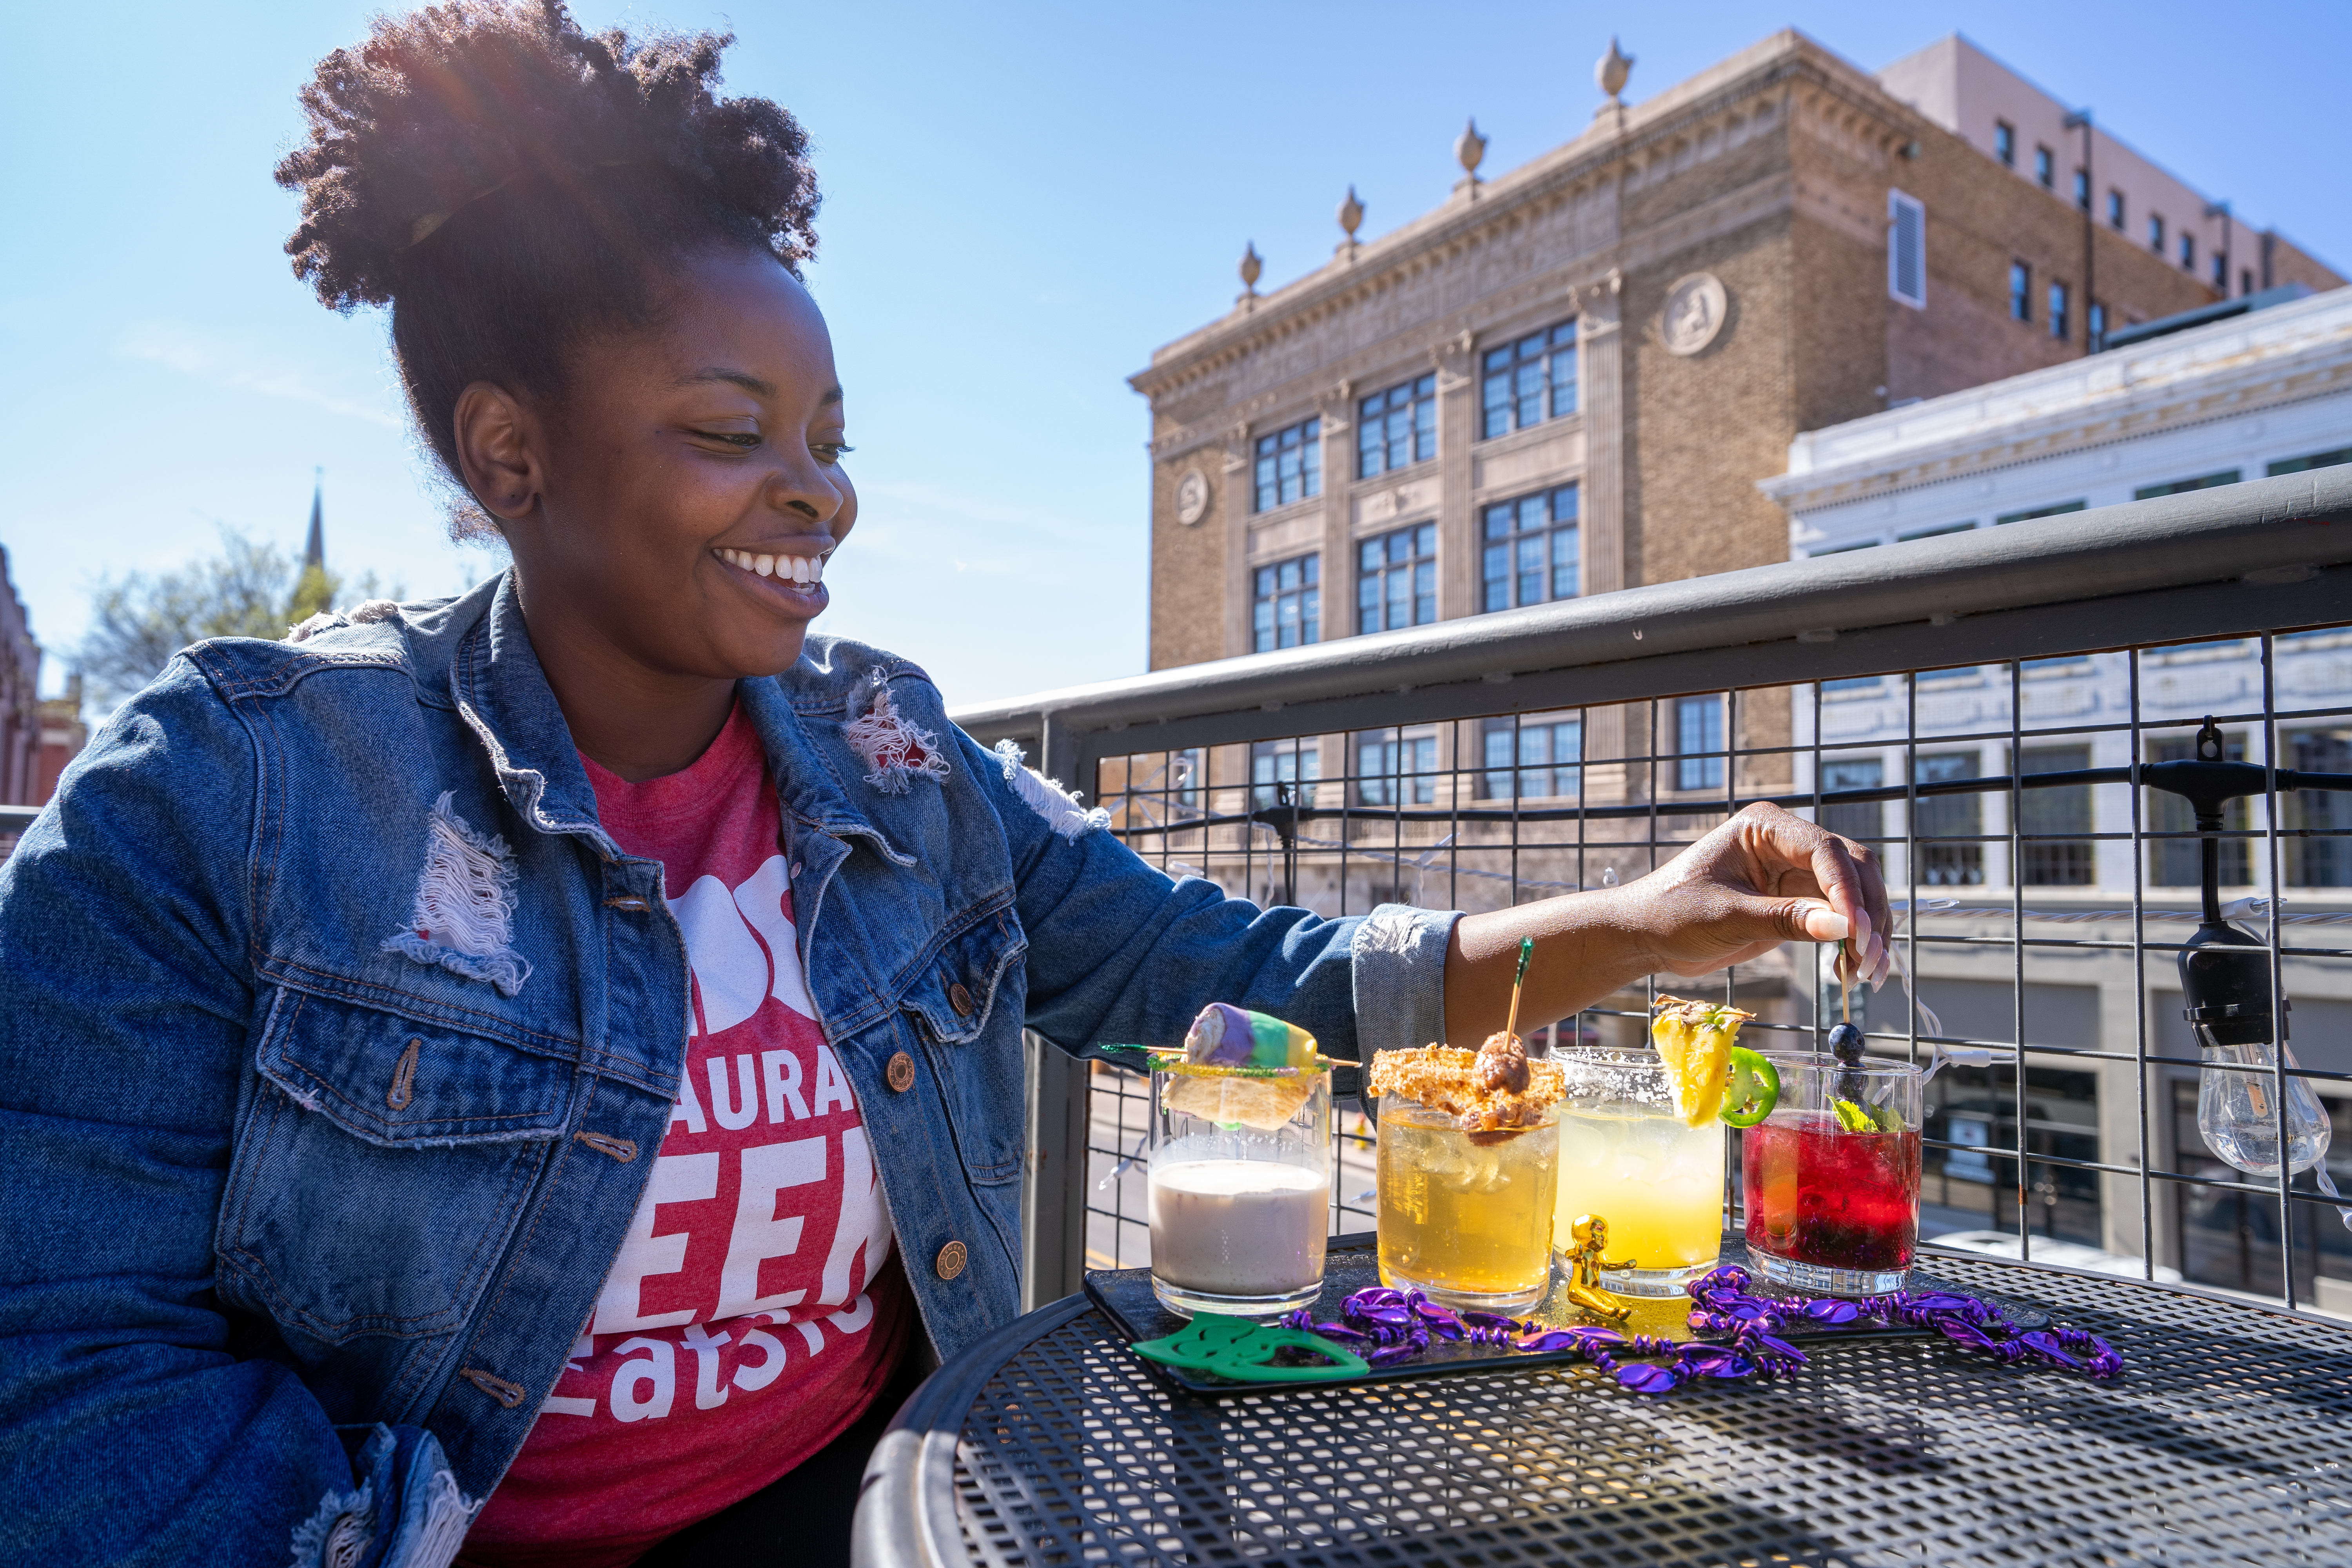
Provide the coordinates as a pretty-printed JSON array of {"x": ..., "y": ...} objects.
[{"x": 534, "y": 1074}]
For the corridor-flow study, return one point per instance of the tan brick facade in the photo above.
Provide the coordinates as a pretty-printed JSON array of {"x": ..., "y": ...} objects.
[{"x": 1772, "y": 173}]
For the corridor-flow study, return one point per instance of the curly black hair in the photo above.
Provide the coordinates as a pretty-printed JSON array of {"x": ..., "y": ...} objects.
[{"x": 512, "y": 189}]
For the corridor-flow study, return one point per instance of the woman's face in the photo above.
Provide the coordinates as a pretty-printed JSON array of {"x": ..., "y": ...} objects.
[{"x": 689, "y": 489}]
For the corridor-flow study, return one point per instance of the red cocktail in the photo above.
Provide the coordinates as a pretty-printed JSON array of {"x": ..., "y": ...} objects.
[{"x": 1831, "y": 1179}]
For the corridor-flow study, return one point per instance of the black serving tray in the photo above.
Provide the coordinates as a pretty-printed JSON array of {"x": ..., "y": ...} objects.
[{"x": 1351, "y": 1263}]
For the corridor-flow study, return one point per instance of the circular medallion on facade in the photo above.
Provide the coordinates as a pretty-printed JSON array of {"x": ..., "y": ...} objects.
[
  {"x": 1696, "y": 306},
  {"x": 1191, "y": 497}
]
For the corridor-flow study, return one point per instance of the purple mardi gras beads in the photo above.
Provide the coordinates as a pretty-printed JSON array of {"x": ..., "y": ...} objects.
[{"x": 1386, "y": 1326}]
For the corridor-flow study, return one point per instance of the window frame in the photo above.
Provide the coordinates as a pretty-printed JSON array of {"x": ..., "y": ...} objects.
[
  {"x": 1376, "y": 440},
  {"x": 1417, "y": 568},
  {"x": 1391, "y": 784},
  {"x": 2117, "y": 219},
  {"x": 2021, "y": 292},
  {"x": 2057, "y": 312},
  {"x": 1701, "y": 766},
  {"x": 1902, "y": 205},
  {"x": 1511, "y": 543},
  {"x": 1505, "y": 365},
  {"x": 2004, "y": 143},
  {"x": 2046, "y": 168},
  {"x": 2155, "y": 233},
  {"x": 1508, "y": 778},
  {"x": 1267, "y": 591},
  {"x": 1305, "y": 437}
]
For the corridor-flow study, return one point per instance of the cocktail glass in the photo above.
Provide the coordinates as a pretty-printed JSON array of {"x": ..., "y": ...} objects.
[
  {"x": 1466, "y": 1217},
  {"x": 1625, "y": 1156},
  {"x": 1831, "y": 1177},
  {"x": 1239, "y": 1194}
]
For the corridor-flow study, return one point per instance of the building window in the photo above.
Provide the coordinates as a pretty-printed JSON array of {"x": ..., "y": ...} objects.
[
  {"x": 2245, "y": 279},
  {"x": 1906, "y": 249},
  {"x": 1698, "y": 742},
  {"x": 2182, "y": 487},
  {"x": 1273, "y": 763},
  {"x": 1290, "y": 463},
  {"x": 2030, "y": 514},
  {"x": 1529, "y": 381},
  {"x": 2053, "y": 810},
  {"x": 1864, "y": 821},
  {"x": 2083, "y": 189},
  {"x": 1948, "y": 827},
  {"x": 1396, "y": 580},
  {"x": 2222, "y": 272},
  {"x": 2179, "y": 862},
  {"x": 1286, "y": 610},
  {"x": 2115, "y": 210},
  {"x": 2187, "y": 252},
  {"x": 1550, "y": 751},
  {"x": 1396, "y": 768},
  {"x": 1187, "y": 771},
  {"x": 2046, "y": 168},
  {"x": 2156, "y": 232},
  {"x": 2098, "y": 338},
  {"x": 2021, "y": 292},
  {"x": 2322, "y": 856},
  {"x": 2316, "y": 460},
  {"x": 1397, "y": 429},
  {"x": 2004, "y": 143},
  {"x": 1529, "y": 551},
  {"x": 2058, "y": 312},
  {"x": 1939, "y": 529}
]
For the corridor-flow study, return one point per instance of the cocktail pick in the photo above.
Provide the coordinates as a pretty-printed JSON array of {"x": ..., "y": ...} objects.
[{"x": 1527, "y": 950}]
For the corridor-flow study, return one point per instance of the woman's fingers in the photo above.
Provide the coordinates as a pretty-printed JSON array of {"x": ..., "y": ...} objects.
[{"x": 1846, "y": 878}]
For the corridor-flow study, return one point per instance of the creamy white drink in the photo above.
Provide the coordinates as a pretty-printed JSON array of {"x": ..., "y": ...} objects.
[{"x": 1237, "y": 1227}]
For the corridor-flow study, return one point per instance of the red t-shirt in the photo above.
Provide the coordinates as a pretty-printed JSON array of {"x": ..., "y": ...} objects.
[{"x": 748, "y": 1317}]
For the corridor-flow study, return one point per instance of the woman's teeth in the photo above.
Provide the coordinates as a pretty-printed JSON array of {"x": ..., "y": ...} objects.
[{"x": 801, "y": 571}]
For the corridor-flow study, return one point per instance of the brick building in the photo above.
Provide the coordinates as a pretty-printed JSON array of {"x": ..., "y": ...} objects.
[{"x": 1569, "y": 378}]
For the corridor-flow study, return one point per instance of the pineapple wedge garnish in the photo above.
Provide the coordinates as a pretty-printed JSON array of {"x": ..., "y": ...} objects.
[{"x": 1694, "y": 1040}]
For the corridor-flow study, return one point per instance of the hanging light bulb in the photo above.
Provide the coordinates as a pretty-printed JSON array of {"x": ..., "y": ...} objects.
[{"x": 2225, "y": 985}]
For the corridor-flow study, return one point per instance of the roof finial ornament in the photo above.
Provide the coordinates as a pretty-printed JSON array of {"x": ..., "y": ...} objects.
[
  {"x": 1253, "y": 269},
  {"x": 1351, "y": 216},
  {"x": 1610, "y": 71},
  {"x": 1469, "y": 148}
]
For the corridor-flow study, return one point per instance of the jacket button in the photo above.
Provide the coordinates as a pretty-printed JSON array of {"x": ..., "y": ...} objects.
[
  {"x": 900, "y": 1072},
  {"x": 959, "y": 999},
  {"x": 950, "y": 1261}
]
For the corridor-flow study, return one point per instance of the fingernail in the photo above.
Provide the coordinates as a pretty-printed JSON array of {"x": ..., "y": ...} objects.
[
  {"x": 1829, "y": 926},
  {"x": 1861, "y": 928}
]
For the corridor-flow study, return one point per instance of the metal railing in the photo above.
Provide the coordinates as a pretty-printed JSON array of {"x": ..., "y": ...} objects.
[{"x": 1480, "y": 762}]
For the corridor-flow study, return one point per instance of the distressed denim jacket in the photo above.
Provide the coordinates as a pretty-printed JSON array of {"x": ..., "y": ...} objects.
[{"x": 307, "y": 1196}]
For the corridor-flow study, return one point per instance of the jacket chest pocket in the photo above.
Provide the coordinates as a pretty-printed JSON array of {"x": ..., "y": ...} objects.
[
  {"x": 382, "y": 1167},
  {"x": 967, "y": 1007}
]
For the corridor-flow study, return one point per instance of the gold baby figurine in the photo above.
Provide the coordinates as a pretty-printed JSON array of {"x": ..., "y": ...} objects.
[{"x": 1591, "y": 1233}]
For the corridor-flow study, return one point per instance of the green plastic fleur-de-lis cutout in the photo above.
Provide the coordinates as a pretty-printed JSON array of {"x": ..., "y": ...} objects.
[{"x": 1244, "y": 1352}]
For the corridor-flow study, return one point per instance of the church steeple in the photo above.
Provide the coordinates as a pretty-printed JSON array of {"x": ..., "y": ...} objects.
[{"x": 314, "y": 553}]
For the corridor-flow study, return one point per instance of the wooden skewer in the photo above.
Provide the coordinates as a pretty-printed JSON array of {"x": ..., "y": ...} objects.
[{"x": 1527, "y": 950}]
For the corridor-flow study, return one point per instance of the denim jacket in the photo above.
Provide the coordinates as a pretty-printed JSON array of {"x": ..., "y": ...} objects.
[{"x": 306, "y": 1200}]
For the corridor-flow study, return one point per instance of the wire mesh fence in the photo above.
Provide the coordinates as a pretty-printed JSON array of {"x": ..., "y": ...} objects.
[{"x": 2043, "y": 889}]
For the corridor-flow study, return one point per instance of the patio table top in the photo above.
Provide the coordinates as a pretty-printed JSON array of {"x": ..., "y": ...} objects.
[{"x": 2226, "y": 1440}]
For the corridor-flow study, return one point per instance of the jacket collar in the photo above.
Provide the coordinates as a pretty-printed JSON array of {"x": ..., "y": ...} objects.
[{"x": 494, "y": 678}]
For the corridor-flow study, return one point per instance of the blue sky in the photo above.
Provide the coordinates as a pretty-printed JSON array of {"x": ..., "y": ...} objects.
[{"x": 1020, "y": 204}]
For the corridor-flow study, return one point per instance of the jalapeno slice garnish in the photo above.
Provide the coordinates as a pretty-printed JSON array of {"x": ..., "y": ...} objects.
[{"x": 1753, "y": 1091}]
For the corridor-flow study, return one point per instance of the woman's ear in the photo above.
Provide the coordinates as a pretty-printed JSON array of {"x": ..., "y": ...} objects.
[{"x": 497, "y": 449}]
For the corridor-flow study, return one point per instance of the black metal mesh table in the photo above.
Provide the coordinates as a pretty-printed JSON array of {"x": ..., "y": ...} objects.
[{"x": 2227, "y": 1441}]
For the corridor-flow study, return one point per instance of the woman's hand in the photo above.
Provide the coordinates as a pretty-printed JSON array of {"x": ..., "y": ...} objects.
[{"x": 1763, "y": 878}]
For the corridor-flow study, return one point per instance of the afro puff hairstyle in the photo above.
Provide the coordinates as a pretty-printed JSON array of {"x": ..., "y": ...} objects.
[{"x": 514, "y": 188}]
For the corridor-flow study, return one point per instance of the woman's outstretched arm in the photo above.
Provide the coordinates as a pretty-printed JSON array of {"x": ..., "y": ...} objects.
[{"x": 1763, "y": 878}]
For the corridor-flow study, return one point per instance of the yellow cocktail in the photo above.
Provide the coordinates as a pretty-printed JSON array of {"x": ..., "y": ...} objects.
[
  {"x": 1469, "y": 1222},
  {"x": 1625, "y": 1156}
]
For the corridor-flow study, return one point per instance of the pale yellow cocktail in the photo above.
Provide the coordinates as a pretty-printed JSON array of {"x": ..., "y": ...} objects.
[{"x": 1625, "y": 1156}]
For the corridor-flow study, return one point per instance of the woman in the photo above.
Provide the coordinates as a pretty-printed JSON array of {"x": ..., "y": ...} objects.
[{"x": 530, "y": 1070}]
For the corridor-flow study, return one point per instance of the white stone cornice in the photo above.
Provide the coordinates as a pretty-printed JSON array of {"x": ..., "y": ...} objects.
[{"x": 2287, "y": 354}]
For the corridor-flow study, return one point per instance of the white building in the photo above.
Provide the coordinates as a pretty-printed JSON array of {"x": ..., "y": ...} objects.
[{"x": 2266, "y": 391}]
